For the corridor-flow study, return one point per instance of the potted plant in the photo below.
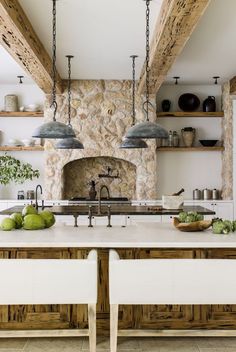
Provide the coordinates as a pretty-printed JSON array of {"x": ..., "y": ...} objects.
[{"x": 13, "y": 170}]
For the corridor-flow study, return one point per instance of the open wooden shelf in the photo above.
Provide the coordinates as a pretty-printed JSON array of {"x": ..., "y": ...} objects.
[
  {"x": 190, "y": 114},
  {"x": 8, "y": 148},
  {"x": 189, "y": 149},
  {"x": 22, "y": 114}
]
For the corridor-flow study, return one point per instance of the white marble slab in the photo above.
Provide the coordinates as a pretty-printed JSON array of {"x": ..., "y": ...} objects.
[{"x": 143, "y": 235}]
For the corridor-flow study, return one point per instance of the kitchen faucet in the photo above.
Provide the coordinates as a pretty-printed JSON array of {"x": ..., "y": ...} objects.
[
  {"x": 36, "y": 195},
  {"x": 99, "y": 198}
]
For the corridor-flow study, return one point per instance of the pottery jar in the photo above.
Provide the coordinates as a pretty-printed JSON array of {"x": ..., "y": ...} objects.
[
  {"x": 209, "y": 104},
  {"x": 188, "y": 135},
  {"x": 11, "y": 103}
]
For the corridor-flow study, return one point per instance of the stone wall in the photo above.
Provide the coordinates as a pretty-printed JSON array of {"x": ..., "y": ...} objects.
[
  {"x": 227, "y": 137},
  {"x": 101, "y": 114},
  {"x": 78, "y": 173}
]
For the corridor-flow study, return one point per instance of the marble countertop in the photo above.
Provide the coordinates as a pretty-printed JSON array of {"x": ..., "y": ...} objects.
[{"x": 142, "y": 235}]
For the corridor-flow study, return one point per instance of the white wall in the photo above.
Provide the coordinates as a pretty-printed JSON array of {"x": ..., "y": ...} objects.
[
  {"x": 21, "y": 128},
  {"x": 189, "y": 170}
]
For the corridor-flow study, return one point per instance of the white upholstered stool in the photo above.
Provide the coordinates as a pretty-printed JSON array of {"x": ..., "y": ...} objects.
[
  {"x": 169, "y": 281},
  {"x": 51, "y": 281}
]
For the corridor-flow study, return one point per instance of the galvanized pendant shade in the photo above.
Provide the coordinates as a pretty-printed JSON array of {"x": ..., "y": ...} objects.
[
  {"x": 131, "y": 143},
  {"x": 69, "y": 143},
  {"x": 147, "y": 129},
  {"x": 54, "y": 129}
]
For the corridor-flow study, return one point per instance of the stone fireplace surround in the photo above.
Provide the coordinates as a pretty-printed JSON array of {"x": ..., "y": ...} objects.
[{"x": 101, "y": 114}]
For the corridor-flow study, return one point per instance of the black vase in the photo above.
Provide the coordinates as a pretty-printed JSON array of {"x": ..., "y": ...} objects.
[
  {"x": 209, "y": 105},
  {"x": 165, "y": 104}
]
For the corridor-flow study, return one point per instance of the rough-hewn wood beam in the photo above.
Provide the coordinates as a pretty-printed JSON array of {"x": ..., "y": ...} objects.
[
  {"x": 18, "y": 37},
  {"x": 233, "y": 86},
  {"x": 175, "y": 24}
]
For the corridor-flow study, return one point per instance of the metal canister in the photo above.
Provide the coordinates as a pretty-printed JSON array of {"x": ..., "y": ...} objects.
[
  {"x": 175, "y": 139},
  {"x": 170, "y": 139},
  {"x": 215, "y": 194},
  {"x": 207, "y": 194},
  {"x": 197, "y": 194}
]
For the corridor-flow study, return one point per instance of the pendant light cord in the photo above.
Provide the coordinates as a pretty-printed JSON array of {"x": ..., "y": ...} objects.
[
  {"x": 54, "y": 57},
  {"x": 133, "y": 57},
  {"x": 69, "y": 57},
  {"x": 147, "y": 56}
]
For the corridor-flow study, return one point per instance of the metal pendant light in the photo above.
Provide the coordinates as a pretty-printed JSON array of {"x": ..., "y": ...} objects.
[
  {"x": 69, "y": 143},
  {"x": 130, "y": 143},
  {"x": 54, "y": 129},
  {"x": 147, "y": 129}
]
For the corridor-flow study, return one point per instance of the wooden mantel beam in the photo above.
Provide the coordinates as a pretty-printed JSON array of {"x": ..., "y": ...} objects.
[
  {"x": 175, "y": 24},
  {"x": 18, "y": 37}
]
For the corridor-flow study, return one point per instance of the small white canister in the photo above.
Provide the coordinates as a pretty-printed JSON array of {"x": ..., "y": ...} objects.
[{"x": 11, "y": 103}]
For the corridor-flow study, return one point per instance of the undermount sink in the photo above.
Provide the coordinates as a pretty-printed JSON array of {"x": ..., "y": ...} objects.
[{"x": 104, "y": 200}]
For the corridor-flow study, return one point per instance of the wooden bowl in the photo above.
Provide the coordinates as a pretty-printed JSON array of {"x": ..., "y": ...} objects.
[{"x": 192, "y": 226}]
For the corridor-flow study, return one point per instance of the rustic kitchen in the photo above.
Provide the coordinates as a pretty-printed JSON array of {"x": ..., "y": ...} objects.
[{"x": 117, "y": 175}]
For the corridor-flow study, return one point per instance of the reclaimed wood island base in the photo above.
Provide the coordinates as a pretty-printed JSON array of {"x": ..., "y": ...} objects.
[{"x": 141, "y": 241}]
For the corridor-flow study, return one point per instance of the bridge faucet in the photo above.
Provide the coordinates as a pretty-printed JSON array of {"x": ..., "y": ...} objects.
[
  {"x": 99, "y": 198},
  {"x": 36, "y": 195}
]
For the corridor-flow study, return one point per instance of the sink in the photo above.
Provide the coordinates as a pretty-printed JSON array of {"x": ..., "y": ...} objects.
[{"x": 87, "y": 201}]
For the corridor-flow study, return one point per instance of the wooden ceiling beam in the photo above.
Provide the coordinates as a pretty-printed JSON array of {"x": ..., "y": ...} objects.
[
  {"x": 175, "y": 24},
  {"x": 18, "y": 37},
  {"x": 233, "y": 86}
]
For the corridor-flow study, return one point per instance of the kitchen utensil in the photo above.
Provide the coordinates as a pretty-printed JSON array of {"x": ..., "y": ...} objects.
[
  {"x": 178, "y": 193},
  {"x": 207, "y": 194},
  {"x": 175, "y": 139},
  {"x": 215, "y": 194},
  {"x": 209, "y": 104},
  {"x": 208, "y": 142},
  {"x": 158, "y": 142},
  {"x": 165, "y": 104},
  {"x": 21, "y": 195},
  {"x": 11, "y": 103},
  {"x": 192, "y": 226},
  {"x": 188, "y": 135},
  {"x": 197, "y": 194},
  {"x": 165, "y": 142},
  {"x": 30, "y": 194},
  {"x": 189, "y": 102}
]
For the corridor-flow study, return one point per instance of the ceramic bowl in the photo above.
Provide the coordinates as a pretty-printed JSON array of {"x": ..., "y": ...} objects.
[
  {"x": 208, "y": 142},
  {"x": 29, "y": 142},
  {"x": 189, "y": 102},
  {"x": 32, "y": 107},
  {"x": 14, "y": 142}
]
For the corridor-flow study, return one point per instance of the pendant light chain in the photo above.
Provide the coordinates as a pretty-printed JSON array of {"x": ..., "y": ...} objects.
[
  {"x": 133, "y": 86},
  {"x": 147, "y": 55},
  {"x": 69, "y": 57},
  {"x": 54, "y": 57}
]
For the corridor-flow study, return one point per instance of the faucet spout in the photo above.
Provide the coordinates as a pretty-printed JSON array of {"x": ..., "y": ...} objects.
[
  {"x": 36, "y": 195},
  {"x": 99, "y": 197}
]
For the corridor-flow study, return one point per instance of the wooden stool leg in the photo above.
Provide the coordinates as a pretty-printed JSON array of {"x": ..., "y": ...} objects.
[
  {"x": 113, "y": 326},
  {"x": 92, "y": 327}
]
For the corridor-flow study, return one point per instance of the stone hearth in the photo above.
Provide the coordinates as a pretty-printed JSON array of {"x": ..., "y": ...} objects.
[
  {"x": 101, "y": 113},
  {"x": 78, "y": 173}
]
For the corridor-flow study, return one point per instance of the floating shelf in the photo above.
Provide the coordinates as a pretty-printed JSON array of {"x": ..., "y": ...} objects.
[
  {"x": 189, "y": 149},
  {"x": 22, "y": 114},
  {"x": 190, "y": 114},
  {"x": 7, "y": 148}
]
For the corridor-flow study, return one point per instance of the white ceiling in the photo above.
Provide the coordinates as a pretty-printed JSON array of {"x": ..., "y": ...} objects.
[
  {"x": 9, "y": 69},
  {"x": 211, "y": 50},
  {"x": 100, "y": 34}
]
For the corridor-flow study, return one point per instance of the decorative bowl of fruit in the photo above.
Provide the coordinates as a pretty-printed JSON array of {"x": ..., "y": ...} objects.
[{"x": 191, "y": 222}]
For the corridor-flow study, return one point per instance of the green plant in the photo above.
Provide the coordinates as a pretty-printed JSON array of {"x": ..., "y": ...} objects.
[{"x": 13, "y": 170}]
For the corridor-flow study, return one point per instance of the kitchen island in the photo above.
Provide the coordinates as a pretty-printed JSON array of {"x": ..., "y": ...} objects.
[{"x": 143, "y": 241}]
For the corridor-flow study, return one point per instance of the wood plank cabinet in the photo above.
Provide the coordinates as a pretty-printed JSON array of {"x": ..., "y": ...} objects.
[{"x": 135, "y": 317}]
